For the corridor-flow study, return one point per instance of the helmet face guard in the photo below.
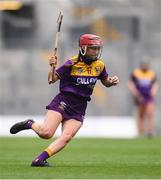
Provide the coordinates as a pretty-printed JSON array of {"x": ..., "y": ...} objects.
[{"x": 90, "y": 40}]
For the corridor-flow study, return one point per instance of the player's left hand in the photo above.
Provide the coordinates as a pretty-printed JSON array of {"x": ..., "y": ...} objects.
[{"x": 114, "y": 80}]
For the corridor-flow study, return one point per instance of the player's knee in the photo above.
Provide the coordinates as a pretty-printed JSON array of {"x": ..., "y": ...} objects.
[{"x": 46, "y": 134}]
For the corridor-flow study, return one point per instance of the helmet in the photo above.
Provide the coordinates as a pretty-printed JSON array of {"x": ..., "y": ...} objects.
[{"x": 90, "y": 40}]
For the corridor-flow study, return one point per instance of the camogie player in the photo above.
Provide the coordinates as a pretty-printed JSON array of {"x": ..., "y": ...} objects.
[
  {"x": 77, "y": 77},
  {"x": 143, "y": 86}
]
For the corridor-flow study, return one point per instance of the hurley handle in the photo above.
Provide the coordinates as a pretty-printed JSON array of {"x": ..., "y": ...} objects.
[{"x": 59, "y": 22}]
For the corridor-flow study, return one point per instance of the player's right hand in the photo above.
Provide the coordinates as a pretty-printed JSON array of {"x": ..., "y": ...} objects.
[{"x": 53, "y": 60}]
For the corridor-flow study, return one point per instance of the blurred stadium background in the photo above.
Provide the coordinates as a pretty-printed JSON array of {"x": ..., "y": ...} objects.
[{"x": 131, "y": 29}]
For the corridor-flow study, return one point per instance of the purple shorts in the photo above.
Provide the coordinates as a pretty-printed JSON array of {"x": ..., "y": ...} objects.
[{"x": 69, "y": 106}]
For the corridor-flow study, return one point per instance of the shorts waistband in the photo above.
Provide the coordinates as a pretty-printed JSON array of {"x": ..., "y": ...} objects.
[{"x": 70, "y": 94}]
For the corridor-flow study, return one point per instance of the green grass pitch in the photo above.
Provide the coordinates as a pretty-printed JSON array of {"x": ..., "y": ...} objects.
[{"x": 83, "y": 158}]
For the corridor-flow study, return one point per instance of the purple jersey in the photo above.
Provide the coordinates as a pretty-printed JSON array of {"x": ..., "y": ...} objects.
[
  {"x": 80, "y": 78},
  {"x": 143, "y": 81}
]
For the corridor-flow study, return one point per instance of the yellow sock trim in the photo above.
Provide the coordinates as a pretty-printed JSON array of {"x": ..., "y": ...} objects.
[{"x": 49, "y": 151}]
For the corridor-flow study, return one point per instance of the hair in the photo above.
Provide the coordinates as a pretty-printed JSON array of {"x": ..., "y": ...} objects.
[{"x": 74, "y": 61}]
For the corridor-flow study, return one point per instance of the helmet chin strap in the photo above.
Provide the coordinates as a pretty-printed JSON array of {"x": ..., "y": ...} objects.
[
  {"x": 81, "y": 50},
  {"x": 100, "y": 53}
]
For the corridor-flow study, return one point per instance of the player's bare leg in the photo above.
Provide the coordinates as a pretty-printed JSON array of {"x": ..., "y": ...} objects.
[
  {"x": 69, "y": 129},
  {"x": 45, "y": 130},
  {"x": 149, "y": 115},
  {"x": 140, "y": 119},
  {"x": 49, "y": 126}
]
